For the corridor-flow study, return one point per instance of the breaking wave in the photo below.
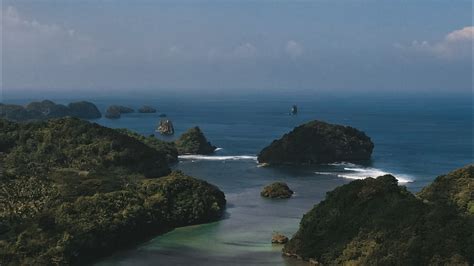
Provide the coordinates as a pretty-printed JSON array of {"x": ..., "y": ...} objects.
[
  {"x": 353, "y": 171},
  {"x": 218, "y": 158}
]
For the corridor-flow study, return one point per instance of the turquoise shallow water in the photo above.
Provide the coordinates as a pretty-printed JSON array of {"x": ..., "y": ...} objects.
[{"x": 416, "y": 139}]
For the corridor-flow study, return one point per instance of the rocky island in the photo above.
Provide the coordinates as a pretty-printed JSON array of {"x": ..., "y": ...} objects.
[
  {"x": 165, "y": 127},
  {"x": 376, "y": 222},
  {"x": 278, "y": 190},
  {"x": 318, "y": 142},
  {"x": 89, "y": 192},
  {"x": 146, "y": 109},
  {"x": 193, "y": 141},
  {"x": 116, "y": 111},
  {"x": 48, "y": 109}
]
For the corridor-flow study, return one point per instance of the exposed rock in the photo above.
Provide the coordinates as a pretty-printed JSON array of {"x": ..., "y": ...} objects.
[
  {"x": 375, "y": 221},
  {"x": 278, "y": 190},
  {"x": 146, "y": 109},
  {"x": 278, "y": 238},
  {"x": 166, "y": 127},
  {"x": 318, "y": 142},
  {"x": 84, "y": 110},
  {"x": 193, "y": 141}
]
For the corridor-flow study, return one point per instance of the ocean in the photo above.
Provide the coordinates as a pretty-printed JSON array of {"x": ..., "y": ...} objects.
[{"x": 416, "y": 139}]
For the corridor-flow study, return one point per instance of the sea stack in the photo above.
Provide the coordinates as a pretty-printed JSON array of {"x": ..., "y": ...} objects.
[
  {"x": 193, "y": 141},
  {"x": 318, "y": 142},
  {"x": 166, "y": 127}
]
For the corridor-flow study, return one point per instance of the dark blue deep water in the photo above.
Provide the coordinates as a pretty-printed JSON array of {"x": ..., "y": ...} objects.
[{"x": 416, "y": 139}]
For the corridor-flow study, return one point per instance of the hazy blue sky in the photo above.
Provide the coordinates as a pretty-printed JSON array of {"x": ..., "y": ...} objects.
[{"x": 330, "y": 45}]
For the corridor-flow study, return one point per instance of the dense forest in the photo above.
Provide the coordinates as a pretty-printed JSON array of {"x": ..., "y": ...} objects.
[
  {"x": 377, "y": 222},
  {"x": 71, "y": 191}
]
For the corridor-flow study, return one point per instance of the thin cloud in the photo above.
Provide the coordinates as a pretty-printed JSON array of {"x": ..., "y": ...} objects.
[
  {"x": 27, "y": 40},
  {"x": 294, "y": 49},
  {"x": 457, "y": 44}
]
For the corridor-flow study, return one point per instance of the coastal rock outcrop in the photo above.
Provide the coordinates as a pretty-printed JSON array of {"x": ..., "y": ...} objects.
[
  {"x": 193, "y": 141},
  {"x": 278, "y": 190},
  {"x": 375, "y": 221},
  {"x": 146, "y": 109},
  {"x": 165, "y": 127},
  {"x": 89, "y": 192},
  {"x": 318, "y": 142},
  {"x": 48, "y": 109},
  {"x": 278, "y": 238},
  {"x": 115, "y": 111}
]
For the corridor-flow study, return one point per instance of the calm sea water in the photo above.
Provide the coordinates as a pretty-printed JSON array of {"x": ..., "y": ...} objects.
[{"x": 416, "y": 139}]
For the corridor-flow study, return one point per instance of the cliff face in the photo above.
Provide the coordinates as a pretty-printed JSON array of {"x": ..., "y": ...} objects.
[
  {"x": 193, "y": 141},
  {"x": 47, "y": 109},
  {"x": 72, "y": 191},
  {"x": 318, "y": 142},
  {"x": 377, "y": 222}
]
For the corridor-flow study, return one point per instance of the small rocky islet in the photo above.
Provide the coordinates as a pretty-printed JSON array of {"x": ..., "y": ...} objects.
[
  {"x": 193, "y": 141},
  {"x": 318, "y": 142},
  {"x": 277, "y": 190},
  {"x": 146, "y": 109},
  {"x": 370, "y": 221},
  {"x": 116, "y": 111}
]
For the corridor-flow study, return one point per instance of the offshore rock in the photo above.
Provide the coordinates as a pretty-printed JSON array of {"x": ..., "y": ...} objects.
[
  {"x": 193, "y": 141},
  {"x": 166, "y": 127},
  {"x": 318, "y": 142}
]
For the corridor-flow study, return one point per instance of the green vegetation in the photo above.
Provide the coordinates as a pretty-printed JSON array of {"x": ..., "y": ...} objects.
[
  {"x": 455, "y": 188},
  {"x": 71, "y": 191},
  {"x": 377, "y": 222},
  {"x": 73, "y": 143},
  {"x": 47, "y": 109},
  {"x": 193, "y": 141},
  {"x": 277, "y": 190},
  {"x": 318, "y": 142},
  {"x": 167, "y": 148}
]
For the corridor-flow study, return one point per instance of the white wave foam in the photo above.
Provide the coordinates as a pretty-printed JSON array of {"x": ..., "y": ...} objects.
[
  {"x": 361, "y": 173},
  {"x": 353, "y": 171},
  {"x": 218, "y": 158},
  {"x": 342, "y": 164},
  {"x": 218, "y": 149}
]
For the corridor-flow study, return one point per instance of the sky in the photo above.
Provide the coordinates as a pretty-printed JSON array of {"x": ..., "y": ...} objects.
[{"x": 87, "y": 46}]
